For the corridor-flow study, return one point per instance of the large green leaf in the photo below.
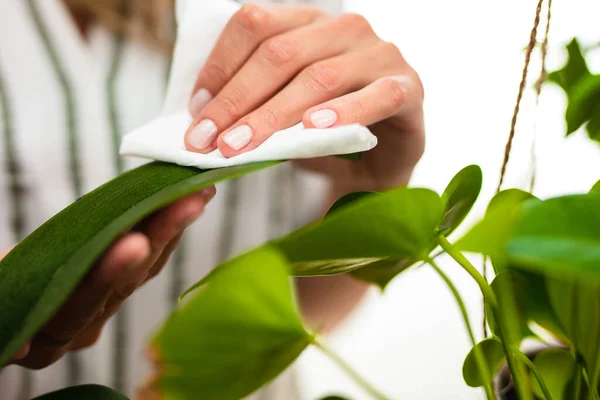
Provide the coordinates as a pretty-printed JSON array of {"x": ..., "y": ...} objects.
[
  {"x": 40, "y": 273},
  {"x": 87, "y": 392},
  {"x": 556, "y": 366},
  {"x": 233, "y": 334},
  {"x": 396, "y": 225},
  {"x": 576, "y": 304},
  {"x": 459, "y": 197},
  {"x": 491, "y": 235},
  {"x": 559, "y": 237},
  {"x": 493, "y": 353}
]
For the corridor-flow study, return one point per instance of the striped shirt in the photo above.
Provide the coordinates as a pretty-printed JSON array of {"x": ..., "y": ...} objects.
[{"x": 64, "y": 104}]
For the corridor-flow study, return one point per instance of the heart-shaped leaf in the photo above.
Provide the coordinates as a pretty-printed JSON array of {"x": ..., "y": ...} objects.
[
  {"x": 493, "y": 354},
  {"x": 556, "y": 366},
  {"x": 576, "y": 304},
  {"x": 559, "y": 237},
  {"x": 491, "y": 235},
  {"x": 459, "y": 197},
  {"x": 396, "y": 225},
  {"x": 87, "y": 392},
  {"x": 233, "y": 334},
  {"x": 38, "y": 275}
]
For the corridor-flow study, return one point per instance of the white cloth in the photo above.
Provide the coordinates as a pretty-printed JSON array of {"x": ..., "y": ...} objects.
[{"x": 199, "y": 26}]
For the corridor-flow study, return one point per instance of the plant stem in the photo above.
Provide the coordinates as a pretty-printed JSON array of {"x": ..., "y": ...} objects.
[
  {"x": 492, "y": 300},
  {"x": 537, "y": 374},
  {"x": 481, "y": 362},
  {"x": 577, "y": 381},
  {"x": 356, "y": 377},
  {"x": 485, "y": 287}
]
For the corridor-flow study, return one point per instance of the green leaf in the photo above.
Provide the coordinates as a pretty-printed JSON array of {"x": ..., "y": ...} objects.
[
  {"x": 559, "y": 237},
  {"x": 400, "y": 224},
  {"x": 576, "y": 304},
  {"x": 351, "y": 156},
  {"x": 491, "y": 235},
  {"x": 574, "y": 70},
  {"x": 348, "y": 199},
  {"x": 510, "y": 288},
  {"x": 384, "y": 271},
  {"x": 87, "y": 392},
  {"x": 234, "y": 333},
  {"x": 596, "y": 188},
  {"x": 583, "y": 103},
  {"x": 40, "y": 273},
  {"x": 459, "y": 197},
  {"x": 556, "y": 366},
  {"x": 493, "y": 353}
]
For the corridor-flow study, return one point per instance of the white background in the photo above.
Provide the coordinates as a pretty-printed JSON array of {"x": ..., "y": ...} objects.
[{"x": 410, "y": 342}]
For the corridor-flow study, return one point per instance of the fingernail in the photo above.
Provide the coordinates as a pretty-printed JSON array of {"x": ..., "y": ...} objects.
[
  {"x": 199, "y": 101},
  {"x": 208, "y": 193},
  {"x": 239, "y": 137},
  {"x": 323, "y": 118},
  {"x": 203, "y": 134}
]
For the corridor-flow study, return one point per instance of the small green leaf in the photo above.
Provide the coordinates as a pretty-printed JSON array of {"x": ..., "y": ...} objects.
[
  {"x": 398, "y": 224},
  {"x": 559, "y": 237},
  {"x": 493, "y": 353},
  {"x": 576, "y": 304},
  {"x": 459, "y": 197},
  {"x": 87, "y": 392},
  {"x": 556, "y": 366},
  {"x": 234, "y": 334},
  {"x": 491, "y": 235},
  {"x": 38, "y": 275},
  {"x": 574, "y": 70},
  {"x": 583, "y": 102}
]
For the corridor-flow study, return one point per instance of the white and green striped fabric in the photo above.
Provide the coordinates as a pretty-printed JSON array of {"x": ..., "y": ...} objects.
[{"x": 64, "y": 104}]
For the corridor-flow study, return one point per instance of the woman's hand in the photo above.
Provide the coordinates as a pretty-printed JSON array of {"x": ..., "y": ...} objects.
[
  {"x": 135, "y": 258},
  {"x": 274, "y": 66}
]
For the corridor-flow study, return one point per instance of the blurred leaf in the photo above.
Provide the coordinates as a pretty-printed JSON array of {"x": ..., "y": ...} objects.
[
  {"x": 400, "y": 224},
  {"x": 334, "y": 398},
  {"x": 350, "y": 157},
  {"x": 39, "y": 274},
  {"x": 510, "y": 288},
  {"x": 559, "y": 237},
  {"x": 556, "y": 366},
  {"x": 234, "y": 334},
  {"x": 491, "y": 235},
  {"x": 493, "y": 353},
  {"x": 574, "y": 70},
  {"x": 596, "y": 188},
  {"x": 583, "y": 103},
  {"x": 459, "y": 197},
  {"x": 348, "y": 199},
  {"x": 384, "y": 271},
  {"x": 576, "y": 304},
  {"x": 87, "y": 392}
]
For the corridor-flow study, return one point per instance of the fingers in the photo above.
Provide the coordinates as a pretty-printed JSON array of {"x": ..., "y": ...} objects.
[
  {"x": 276, "y": 61},
  {"x": 249, "y": 27},
  {"x": 87, "y": 302},
  {"x": 380, "y": 100}
]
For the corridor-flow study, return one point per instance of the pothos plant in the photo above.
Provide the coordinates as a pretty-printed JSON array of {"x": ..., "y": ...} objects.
[{"x": 240, "y": 327}]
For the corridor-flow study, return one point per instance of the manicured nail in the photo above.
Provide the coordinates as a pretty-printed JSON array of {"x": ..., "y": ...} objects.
[
  {"x": 199, "y": 101},
  {"x": 323, "y": 118},
  {"x": 238, "y": 138},
  {"x": 203, "y": 134}
]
